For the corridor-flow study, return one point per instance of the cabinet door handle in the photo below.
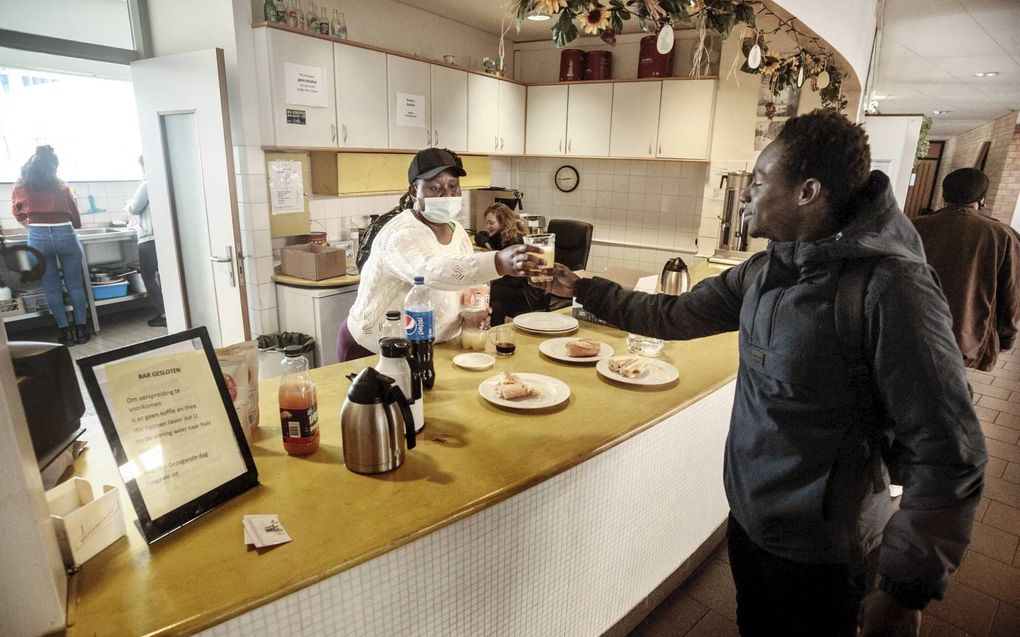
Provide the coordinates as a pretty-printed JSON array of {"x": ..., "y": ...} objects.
[
  {"x": 435, "y": 137},
  {"x": 570, "y": 143},
  {"x": 560, "y": 146},
  {"x": 345, "y": 133},
  {"x": 428, "y": 137},
  {"x": 660, "y": 149},
  {"x": 495, "y": 142},
  {"x": 501, "y": 142},
  {"x": 332, "y": 132},
  {"x": 649, "y": 149}
]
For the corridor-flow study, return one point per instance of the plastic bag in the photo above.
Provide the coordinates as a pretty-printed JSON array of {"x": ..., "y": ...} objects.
[{"x": 240, "y": 366}]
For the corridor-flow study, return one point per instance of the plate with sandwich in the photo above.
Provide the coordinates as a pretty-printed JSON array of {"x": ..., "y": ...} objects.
[
  {"x": 637, "y": 370},
  {"x": 575, "y": 350},
  {"x": 523, "y": 390}
]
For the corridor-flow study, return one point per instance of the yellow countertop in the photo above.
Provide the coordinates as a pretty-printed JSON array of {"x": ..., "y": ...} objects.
[
  {"x": 470, "y": 456},
  {"x": 334, "y": 282}
]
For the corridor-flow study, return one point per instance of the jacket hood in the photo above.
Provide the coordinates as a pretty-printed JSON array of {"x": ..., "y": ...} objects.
[{"x": 877, "y": 228}]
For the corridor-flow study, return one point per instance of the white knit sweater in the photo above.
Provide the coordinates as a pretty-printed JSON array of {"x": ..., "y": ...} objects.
[{"x": 403, "y": 249}]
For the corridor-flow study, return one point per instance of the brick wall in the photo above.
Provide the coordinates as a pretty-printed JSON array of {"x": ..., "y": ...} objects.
[
  {"x": 1009, "y": 183},
  {"x": 962, "y": 152}
]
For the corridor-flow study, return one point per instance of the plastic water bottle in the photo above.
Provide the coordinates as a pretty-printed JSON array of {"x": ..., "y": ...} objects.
[{"x": 419, "y": 315}]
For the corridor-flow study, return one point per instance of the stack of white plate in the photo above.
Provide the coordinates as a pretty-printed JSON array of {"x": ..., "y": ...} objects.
[{"x": 546, "y": 323}]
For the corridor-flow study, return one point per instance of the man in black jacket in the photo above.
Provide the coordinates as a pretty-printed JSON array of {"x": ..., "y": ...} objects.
[{"x": 810, "y": 524}]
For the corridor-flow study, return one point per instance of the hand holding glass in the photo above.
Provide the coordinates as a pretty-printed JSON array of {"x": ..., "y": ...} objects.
[{"x": 547, "y": 243}]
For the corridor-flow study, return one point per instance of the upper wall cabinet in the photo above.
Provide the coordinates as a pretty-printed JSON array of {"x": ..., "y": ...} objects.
[
  {"x": 360, "y": 97},
  {"x": 512, "y": 99},
  {"x": 635, "y": 127},
  {"x": 685, "y": 119},
  {"x": 589, "y": 117},
  {"x": 449, "y": 108},
  {"x": 295, "y": 75},
  {"x": 409, "y": 94},
  {"x": 546, "y": 132},
  {"x": 495, "y": 116}
]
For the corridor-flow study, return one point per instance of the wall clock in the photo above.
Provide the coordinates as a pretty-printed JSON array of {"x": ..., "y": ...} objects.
[{"x": 567, "y": 178}]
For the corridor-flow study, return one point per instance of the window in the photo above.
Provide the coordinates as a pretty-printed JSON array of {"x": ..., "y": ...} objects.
[{"x": 90, "y": 122}]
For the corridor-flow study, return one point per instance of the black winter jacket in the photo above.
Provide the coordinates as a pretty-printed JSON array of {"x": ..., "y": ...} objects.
[{"x": 796, "y": 461}]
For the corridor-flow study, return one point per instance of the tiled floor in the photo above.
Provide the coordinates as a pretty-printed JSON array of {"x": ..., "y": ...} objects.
[
  {"x": 118, "y": 330},
  {"x": 984, "y": 596}
]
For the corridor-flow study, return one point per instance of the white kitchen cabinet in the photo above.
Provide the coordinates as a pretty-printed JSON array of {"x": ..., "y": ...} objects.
[
  {"x": 635, "y": 126},
  {"x": 483, "y": 114},
  {"x": 360, "y": 97},
  {"x": 449, "y": 92},
  {"x": 317, "y": 312},
  {"x": 589, "y": 117},
  {"x": 295, "y": 75},
  {"x": 685, "y": 119},
  {"x": 512, "y": 98},
  {"x": 409, "y": 96},
  {"x": 546, "y": 130}
]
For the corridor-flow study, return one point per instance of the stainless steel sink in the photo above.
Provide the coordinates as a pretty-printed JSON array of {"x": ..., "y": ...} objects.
[{"x": 88, "y": 232}]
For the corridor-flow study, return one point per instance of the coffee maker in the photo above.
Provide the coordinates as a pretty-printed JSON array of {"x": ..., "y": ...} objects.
[{"x": 734, "y": 243}]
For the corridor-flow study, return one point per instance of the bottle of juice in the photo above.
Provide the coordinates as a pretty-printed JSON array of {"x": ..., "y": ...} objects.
[{"x": 299, "y": 417}]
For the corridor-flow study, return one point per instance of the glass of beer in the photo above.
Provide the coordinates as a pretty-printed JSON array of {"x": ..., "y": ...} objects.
[{"x": 548, "y": 244}]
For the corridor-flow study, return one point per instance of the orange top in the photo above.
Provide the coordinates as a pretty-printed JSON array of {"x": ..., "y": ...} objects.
[{"x": 54, "y": 205}]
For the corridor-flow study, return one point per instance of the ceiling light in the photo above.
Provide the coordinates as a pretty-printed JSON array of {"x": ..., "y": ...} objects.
[
  {"x": 539, "y": 17},
  {"x": 986, "y": 74},
  {"x": 940, "y": 112}
]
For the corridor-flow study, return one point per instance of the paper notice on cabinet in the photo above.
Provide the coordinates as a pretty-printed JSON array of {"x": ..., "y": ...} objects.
[
  {"x": 306, "y": 85},
  {"x": 286, "y": 187},
  {"x": 173, "y": 427},
  {"x": 410, "y": 110}
]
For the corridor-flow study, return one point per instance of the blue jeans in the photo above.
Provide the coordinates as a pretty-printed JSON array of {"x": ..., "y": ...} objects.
[{"x": 61, "y": 246}]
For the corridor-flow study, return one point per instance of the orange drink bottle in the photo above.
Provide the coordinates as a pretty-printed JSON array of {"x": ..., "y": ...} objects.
[{"x": 299, "y": 416}]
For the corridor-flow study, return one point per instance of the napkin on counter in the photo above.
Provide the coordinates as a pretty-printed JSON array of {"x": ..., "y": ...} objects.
[{"x": 261, "y": 531}]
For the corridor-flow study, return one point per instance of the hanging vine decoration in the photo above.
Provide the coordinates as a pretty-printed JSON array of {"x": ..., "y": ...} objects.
[{"x": 605, "y": 19}]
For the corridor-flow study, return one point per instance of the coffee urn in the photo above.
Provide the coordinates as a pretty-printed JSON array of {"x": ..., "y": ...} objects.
[{"x": 733, "y": 227}]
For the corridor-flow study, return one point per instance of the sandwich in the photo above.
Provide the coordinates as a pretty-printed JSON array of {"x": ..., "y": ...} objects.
[
  {"x": 628, "y": 366},
  {"x": 583, "y": 348},
  {"x": 512, "y": 387}
]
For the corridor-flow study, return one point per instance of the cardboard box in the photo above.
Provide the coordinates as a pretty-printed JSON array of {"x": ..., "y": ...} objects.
[
  {"x": 312, "y": 261},
  {"x": 84, "y": 526}
]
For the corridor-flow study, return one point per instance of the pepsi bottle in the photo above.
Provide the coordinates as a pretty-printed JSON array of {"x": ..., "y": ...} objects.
[{"x": 419, "y": 314}]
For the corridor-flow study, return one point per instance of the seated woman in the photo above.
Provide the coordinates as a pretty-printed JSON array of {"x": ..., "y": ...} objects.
[
  {"x": 509, "y": 296},
  {"x": 424, "y": 240}
]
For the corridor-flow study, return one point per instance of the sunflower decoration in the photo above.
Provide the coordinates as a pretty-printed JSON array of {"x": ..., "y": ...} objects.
[
  {"x": 550, "y": 7},
  {"x": 594, "y": 19}
]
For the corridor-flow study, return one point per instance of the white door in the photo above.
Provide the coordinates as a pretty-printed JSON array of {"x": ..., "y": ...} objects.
[
  {"x": 360, "y": 97},
  {"x": 512, "y": 98},
  {"x": 483, "y": 114},
  {"x": 635, "y": 126},
  {"x": 449, "y": 108},
  {"x": 303, "y": 105},
  {"x": 589, "y": 116},
  {"x": 185, "y": 130},
  {"x": 408, "y": 92},
  {"x": 547, "y": 120},
  {"x": 685, "y": 119}
]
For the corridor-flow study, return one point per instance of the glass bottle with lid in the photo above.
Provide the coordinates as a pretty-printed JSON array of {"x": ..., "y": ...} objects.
[{"x": 299, "y": 417}]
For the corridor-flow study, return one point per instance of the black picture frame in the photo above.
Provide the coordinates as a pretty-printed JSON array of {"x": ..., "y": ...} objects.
[{"x": 155, "y": 529}]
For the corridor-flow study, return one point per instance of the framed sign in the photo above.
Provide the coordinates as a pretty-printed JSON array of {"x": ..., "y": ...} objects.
[{"x": 172, "y": 428}]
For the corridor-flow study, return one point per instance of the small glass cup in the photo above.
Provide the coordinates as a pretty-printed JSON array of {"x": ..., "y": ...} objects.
[
  {"x": 548, "y": 244},
  {"x": 504, "y": 339}
]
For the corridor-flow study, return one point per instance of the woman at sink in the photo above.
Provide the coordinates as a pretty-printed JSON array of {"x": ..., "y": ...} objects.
[{"x": 45, "y": 205}]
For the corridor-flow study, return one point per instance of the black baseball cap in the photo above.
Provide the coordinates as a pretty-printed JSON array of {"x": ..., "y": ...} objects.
[{"x": 430, "y": 162}]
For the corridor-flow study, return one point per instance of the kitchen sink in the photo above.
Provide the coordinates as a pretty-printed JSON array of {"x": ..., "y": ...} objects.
[{"x": 89, "y": 232}]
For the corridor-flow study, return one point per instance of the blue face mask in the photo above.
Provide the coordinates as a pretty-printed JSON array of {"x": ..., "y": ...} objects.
[{"x": 442, "y": 209}]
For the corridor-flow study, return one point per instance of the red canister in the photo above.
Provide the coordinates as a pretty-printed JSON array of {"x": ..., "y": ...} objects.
[
  {"x": 598, "y": 65},
  {"x": 571, "y": 65},
  {"x": 651, "y": 63}
]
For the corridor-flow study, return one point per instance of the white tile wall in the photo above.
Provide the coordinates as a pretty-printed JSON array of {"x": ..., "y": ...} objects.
[
  {"x": 570, "y": 556},
  {"x": 643, "y": 212},
  {"x": 110, "y": 197}
]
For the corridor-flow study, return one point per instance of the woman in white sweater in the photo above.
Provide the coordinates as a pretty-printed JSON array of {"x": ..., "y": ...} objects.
[{"x": 424, "y": 240}]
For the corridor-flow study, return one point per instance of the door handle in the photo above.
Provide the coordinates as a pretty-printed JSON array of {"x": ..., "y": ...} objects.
[
  {"x": 501, "y": 142},
  {"x": 435, "y": 137},
  {"x": 649, "y": 149},
  {"x": 560, "y": 147},
  {"x": 345, "y": 133},
  {"x": 428, "y": 136},
  {"x": 332, "y": 132},
  {"x": 495, "y": 142},
  {"x": 660, "y": 149},
  {"x": 570, "y": 143},
  {"x": 227, "y": 259}
]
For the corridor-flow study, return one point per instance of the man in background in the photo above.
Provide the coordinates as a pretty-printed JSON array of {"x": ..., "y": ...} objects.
[
  {"x": 139, "y": 207},
  {"x": 977, "y": 260}
]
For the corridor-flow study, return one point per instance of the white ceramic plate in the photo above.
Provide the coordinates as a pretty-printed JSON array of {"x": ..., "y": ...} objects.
[
  {"x": 546, "y": 322},
  {"x": 657, "y": 373},
  {"x": 474, "y": 360},
  {"x": 557, "y": 348},
  {"x": 554, "y": 392}
]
